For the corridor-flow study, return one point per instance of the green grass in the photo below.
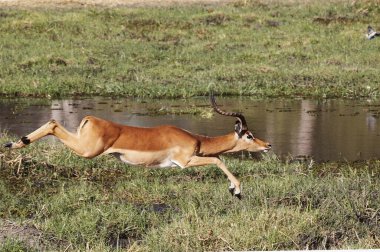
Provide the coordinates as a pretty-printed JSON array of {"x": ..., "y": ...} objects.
[
  {"x": 105, "y": 205},
  {"x": 14, "y": 246},
  {"x": 247, "y": 48},
  {"x": 264, "y": 50}
]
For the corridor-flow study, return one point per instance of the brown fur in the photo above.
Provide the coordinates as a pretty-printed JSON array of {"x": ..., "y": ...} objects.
[{"x": 159, "y": 146}]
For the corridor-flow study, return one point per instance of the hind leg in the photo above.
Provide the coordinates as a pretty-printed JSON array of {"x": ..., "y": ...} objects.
[
  {"x": 84, "y": 143},
  {"x": 44, "y": 130}
]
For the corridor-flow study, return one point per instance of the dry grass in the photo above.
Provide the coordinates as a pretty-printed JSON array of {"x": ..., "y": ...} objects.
[
  {"x": 105, "y": 3},
  {"x": 154, "y": 3}
]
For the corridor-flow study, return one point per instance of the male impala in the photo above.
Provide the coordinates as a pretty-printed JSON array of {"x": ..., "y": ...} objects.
[{"x": 162, "y": 146}]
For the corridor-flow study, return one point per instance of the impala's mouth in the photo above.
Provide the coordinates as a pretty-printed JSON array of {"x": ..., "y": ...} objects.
[{"x": 267, "y": 149}]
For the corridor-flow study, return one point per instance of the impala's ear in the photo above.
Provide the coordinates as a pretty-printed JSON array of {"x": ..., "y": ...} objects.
[{"x": 239, "y": 128}]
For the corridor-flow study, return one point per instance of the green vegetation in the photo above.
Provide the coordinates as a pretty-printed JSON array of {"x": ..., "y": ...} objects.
[
  {"x": 251, "y": 48},
  {"x": 105, "y": 205},
  {"x": 314, "y": 49}
]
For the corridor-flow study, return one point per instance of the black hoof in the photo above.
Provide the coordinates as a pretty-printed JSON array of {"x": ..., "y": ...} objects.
[
  {"x": 25, "y": 140},
  {"x": 8, "y": 145},
  {"x": 232, "y": 190},
  {"x": 238, "y": 195}
]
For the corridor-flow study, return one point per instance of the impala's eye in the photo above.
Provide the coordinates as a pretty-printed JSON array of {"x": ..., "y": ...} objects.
[{"x": 249, "y": 137}]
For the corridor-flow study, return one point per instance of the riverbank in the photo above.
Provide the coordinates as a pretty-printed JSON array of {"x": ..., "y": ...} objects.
[
  {"x": 60, "y": 201},
  {"x": 250, "y": 48}
]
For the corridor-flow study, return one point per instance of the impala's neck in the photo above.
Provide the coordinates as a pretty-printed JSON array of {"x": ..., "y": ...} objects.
[{"x": 216, "y": 145}]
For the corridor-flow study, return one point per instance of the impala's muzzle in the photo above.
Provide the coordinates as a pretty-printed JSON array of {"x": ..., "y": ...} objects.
[{"x": 269, "y": 146}]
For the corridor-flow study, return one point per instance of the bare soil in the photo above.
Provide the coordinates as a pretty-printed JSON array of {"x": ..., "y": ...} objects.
[{"x": 29, "y": 235}]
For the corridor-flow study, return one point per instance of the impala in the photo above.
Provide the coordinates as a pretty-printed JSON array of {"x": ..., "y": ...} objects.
[{"x": 162, "y": 146}]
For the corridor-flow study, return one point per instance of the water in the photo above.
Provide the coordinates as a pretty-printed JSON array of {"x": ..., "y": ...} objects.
[{"x": 327, "y": 130}]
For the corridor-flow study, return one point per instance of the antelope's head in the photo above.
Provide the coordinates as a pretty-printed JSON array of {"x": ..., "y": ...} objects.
[{"x": 246, "y": 140}]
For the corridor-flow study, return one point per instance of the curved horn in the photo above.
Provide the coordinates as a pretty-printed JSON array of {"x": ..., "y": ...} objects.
[{"x": 239, "y": 116}]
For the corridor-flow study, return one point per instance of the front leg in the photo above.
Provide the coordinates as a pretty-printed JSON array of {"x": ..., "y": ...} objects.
[{"x": 234, "y": 188}]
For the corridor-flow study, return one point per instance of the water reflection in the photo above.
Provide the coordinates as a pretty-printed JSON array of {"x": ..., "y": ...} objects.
[{"x": 324, "y": 130}]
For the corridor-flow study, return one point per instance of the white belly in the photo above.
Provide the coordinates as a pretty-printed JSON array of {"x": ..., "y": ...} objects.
[
  {"x": 167, "y": 163},
  {"x": 150, "y": 159},
  {"x": 163, "y": 164}
]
